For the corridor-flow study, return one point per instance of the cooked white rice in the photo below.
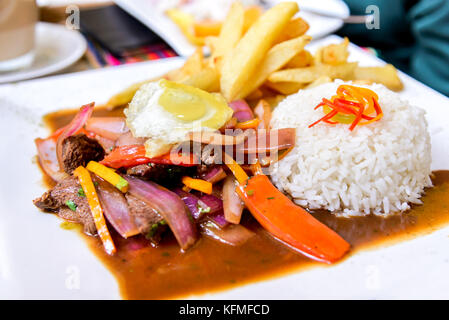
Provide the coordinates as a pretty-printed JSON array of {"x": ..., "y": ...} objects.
[{"x": 378, "y": 168}]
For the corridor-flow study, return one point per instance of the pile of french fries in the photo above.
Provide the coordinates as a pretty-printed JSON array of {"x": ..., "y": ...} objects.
[{"x": 265, "y": 57}]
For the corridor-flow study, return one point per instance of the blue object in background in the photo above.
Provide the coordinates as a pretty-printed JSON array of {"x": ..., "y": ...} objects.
[{"x": 413, "y": 35}]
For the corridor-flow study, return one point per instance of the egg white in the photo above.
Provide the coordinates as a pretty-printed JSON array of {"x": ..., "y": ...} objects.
[{"x": 146, "y": 118}]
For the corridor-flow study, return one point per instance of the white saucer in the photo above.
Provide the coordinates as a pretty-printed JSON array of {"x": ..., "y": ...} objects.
[{"x": 56, "y": 48}]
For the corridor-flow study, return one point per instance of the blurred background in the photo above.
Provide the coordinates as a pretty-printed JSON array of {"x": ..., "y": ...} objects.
[{"x": 43, "y": 37}]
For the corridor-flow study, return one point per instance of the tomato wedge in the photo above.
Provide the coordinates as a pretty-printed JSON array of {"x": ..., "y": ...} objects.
[
  {"x": 289, "y": 222},
  {"x": 133, "y": 155}
]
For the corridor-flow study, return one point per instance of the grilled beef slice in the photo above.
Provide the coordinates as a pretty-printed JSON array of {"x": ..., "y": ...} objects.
[
  {"x": 165, "y": 175},
  {"x": 148, "y": 220},
  {"x": 64, "y": 195},
  {"x": 78, "y": 150},
  {"x": 57, "y": 200}
]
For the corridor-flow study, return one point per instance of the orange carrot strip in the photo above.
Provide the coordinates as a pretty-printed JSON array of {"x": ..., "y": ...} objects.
[
  {"x": 289, "y": 222},
  {"x": 197, "y": 184},
  {"x": 250, "y": 124},
  {"x": 95, "y": 207}
]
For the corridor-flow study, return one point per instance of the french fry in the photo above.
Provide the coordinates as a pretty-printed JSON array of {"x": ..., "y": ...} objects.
[
  {"x": 231, "y": 31},
  {"x": 386, "y": 75},
  {"x": 275, "y": 59},
  {"x": 206, "y": 28},
  {"x": 256, "y": 94},
  {"x": 334, "y": 54},
  {"x": 294, "y": 29},
  {"x": 362, "y": 82},
  {"x": 241, "y": 63},
  {"x": 185, "y": 23},
  {"x": 206, "y": 79},
  {"x": 303, "y": 59},
  {"x": 251, "y": 15},
  {"x": 285, "y": 87},
  {"x": 310, "y": 74},
  {"x": 319, "y": 81},
  {"x": 194, "y": 63},
  {"x": 273, "y": 101}
]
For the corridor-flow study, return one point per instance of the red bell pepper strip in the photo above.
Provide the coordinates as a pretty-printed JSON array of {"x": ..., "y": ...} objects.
[
  {"x": 289, "y": 222},
  {"x": 133, "y": 155}
]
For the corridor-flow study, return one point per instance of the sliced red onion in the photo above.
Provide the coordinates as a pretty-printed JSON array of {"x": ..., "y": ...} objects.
[
  {"x": 234, "y": 235},
  {"x": 127, "y": 139},
  {"x": 232, "y": 204},
  {"x": 219, "y": 219},
  {"x": 211, "y": 203},
  {"x": 242, "y": 111},
  {"x": 268, "y": 141},
  {"x": 108, "y": 145},
  {"x": 116, "y": 208},
  {"x": 191, "y": 201},
  {"x": 108, "y": 127},
  {"x": 214, "y": 175},
  {"x": 169, "y": 205},
  {"x": 74, "y": 126},
  {"x": 46, "y": 151}
]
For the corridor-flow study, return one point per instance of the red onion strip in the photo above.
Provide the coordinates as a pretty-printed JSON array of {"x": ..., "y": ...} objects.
[
  {"x": 242, "y": 111},
  {"x": 46, "y": 151},
  {"x": 116, "y": 209},
  {"x": 233, "y": 235},
  {"x": 74, "y": 126},
  {"x": 232, "y": 204},
  {"x": 169, "y": 205},
  {"x": 108, "y": 127}
]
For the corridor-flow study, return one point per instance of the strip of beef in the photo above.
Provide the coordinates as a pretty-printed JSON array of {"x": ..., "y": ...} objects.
[
  {"x": 69, "y": 203},
  {"x": 78, "y": 150},
  {"x": 166, "y": 175},
  {"x": 148, "y": 220}
]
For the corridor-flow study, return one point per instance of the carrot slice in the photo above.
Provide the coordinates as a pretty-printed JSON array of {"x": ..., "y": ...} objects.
[
  {"x": 250, "y": 124},
  {"x": 198, "y": 184},
  {"x": 95, "y": 207},
  {"x": 289, "y": 222}
]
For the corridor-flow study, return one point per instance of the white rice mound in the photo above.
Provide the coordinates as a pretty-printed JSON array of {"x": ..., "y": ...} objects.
[{"x": 379, "y": 168}]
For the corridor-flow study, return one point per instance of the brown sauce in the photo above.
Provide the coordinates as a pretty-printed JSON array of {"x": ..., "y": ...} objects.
[{"x": 146, "y": 272}]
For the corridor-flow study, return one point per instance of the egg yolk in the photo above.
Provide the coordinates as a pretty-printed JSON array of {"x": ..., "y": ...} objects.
[{"x": 189, "y": 104}]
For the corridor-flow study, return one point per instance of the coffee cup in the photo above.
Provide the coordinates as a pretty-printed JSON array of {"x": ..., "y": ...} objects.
[{"x": 17, "y": 32}]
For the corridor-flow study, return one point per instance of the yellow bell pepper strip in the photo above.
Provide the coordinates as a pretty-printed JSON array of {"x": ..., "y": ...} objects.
[
  {"x": 250, "y": 124},
  {"x": 197, "y": 184},
  {"x": 236, "y": 169},
  {"x": 287, "y": 221},
  {"x": 109, "y": 175},
  {"x": 95, "y": 207}
]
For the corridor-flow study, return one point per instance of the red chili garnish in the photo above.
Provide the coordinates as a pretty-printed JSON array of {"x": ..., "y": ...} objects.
[{"x": 361, "y": 103}]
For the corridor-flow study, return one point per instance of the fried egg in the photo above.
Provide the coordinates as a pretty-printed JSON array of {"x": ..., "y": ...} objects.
[{"x": 164, "y": 112}]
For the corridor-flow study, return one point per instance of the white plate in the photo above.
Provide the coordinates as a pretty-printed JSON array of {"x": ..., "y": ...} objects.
[
  {"x": 38, "y": 259},
  {"x": 56, "y": 48},
  {"x": 144, "y": 10}
]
